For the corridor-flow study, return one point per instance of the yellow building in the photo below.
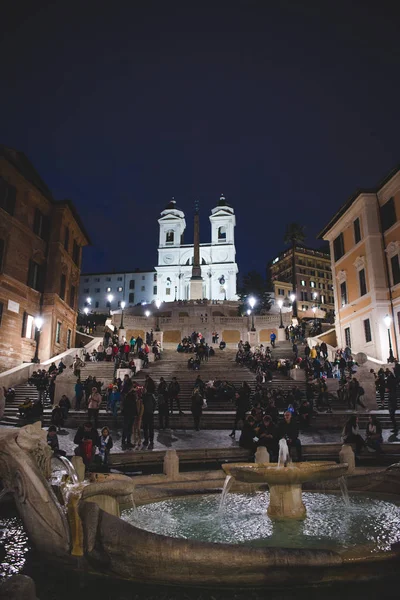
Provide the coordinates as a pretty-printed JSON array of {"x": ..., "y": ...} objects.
[
  {"x": 364, "y": 238},
  {"x": 313, "y": 278}
]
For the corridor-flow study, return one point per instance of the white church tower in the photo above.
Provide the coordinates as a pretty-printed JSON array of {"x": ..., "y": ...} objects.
[{"x": 217, "y": 260}]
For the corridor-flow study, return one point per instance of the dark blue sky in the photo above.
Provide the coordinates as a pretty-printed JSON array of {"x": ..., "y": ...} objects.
[{"x": 285, "y": 107}]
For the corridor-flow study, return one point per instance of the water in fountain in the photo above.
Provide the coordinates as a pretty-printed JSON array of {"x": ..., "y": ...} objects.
[
  {"x": 70, "y": 469},
  {"x": 284, "y": 455},
  {"x": 344, "y": 490},
  {"x": 225, "y": 490},
  {"x": 134, "y": 508}
]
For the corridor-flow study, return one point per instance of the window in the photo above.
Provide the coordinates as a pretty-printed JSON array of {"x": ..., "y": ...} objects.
[
  {"x": 363, "y": 283},
  {"x": 304, "y": 307},
  {"x": 394, "y": 261},
  {"x": 132, "y": 284},
  {"x": 304, "y": 296},
  {"x": 66, "y": 239},
  {"x": 86, "y": 280},
  {"x": 63, "y": 285},
  {"x": 303, "y": 271},
  {"x": 86, "y": 290},
  {"x": 357, "y": 230},
  {"x": 96, "y": 304},
  {"x": 388, "y": 214},
  {"x": 108, "y": 278},
  {"x": 40, "y": 224},
  {"x": 58, "y": 332},
  {"x": 97, "y": 279},
  {"x": 35, "y": 276},
  {"x": 343, "y": 293},
  {"x": 338, "y": 247},
  {"x": 143, "y": 277},
  {"x": 302, "y": 282},
  {"x": 169, "y": 237},
  {"x": 281, "y": 292},
  {"x": 69, "y": 335},
  {"x": 367, "y": 330},
  {"x": 8, "y": 195},
  {"x": 154, "y": 290},
  {"x": 321, "y": 274},
  {"x": 76, "y": 253},
  {"x": 322, "y": 299},
  {"x": 119, "y": 303},
  {"x": 131, "y": 298},
  {"x": 312, "y": 284},
  {"x": 120, "y": 289},
  {"x": 347, "y": 337},
  {"x": 221, "y": 234},
  {"x": 311, "y": 272},
  {"x": 1, "y": 253},
  {"x": 28, "y": 327},
  {"x": 72, "y": 296},
  {"x": 168, "y": 291},
  {"x": 97, "y": 290},
  {"x": 155, "y": 277},
  {"x": 108, "y": 289},
  {"x": 143, "y": 288},
  {"x": 119, "y": 278}
]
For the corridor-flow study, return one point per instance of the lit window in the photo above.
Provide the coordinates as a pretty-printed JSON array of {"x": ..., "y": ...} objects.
[
  {"x": 108, "y": 289},
  {"x": 322, "y": 299},
  {"x": 28, "y": 330},
  {"x": 58, "y": 332},
  {"x": 312, "y": 284},
  {"x": 120, "y": 289},
  {"x": 302, "y": 282}
]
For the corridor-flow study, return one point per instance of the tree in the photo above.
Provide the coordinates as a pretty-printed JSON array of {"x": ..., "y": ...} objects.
[
  {"x": 294, "y": 235},
  {"x": 253, "y": 284}
]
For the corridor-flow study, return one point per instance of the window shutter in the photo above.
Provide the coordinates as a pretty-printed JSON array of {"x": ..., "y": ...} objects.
[{"x": 24, "y": 317}]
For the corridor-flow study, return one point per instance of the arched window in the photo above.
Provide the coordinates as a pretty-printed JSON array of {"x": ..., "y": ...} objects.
[
  {"x": 169, "y": 238},
  {"x": 221, "y": 234}
]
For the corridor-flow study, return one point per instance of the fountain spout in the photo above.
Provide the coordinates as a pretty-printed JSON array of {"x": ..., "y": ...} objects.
[
  {"x": 284, "y": 454},
  {"x": 70, "y": 468}
]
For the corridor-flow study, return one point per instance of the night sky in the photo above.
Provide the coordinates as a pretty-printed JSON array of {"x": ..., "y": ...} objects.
[{"x": 286, "y": 107}]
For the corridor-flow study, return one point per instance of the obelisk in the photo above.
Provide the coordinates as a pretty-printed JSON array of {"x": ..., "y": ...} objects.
[{"x": 196, "y": 280}]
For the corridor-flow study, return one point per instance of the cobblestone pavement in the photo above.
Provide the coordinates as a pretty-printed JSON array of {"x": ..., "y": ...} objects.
[{"x": 181, "y": 439}]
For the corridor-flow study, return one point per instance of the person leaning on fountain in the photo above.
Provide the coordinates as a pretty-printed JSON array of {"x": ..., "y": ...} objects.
[{"x": 288, "y": 430}]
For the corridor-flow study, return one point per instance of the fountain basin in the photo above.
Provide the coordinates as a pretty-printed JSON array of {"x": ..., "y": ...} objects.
[{"x": 285, "y": 483}]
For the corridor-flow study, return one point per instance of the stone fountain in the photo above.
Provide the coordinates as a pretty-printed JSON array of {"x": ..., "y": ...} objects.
[{"x": 285, "y": 482}]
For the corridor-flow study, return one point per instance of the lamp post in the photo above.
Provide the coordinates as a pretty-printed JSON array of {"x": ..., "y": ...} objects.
[
  {"x": 110, "y": 298},
  {"x": 158, "y": 304},
  {"x": 292, "y": 297},
  {"x": 123, "y": 304},
  {"x": 314, "y": 309},
  {"x": 280, "y": 304},
  {"x": 388, "y": 321},
  {"x": 38, "y": 324},
  {"x": 176, "y": 293},
  {"x": 86, "y": 310},
  {"x": 252, "y": 303}
]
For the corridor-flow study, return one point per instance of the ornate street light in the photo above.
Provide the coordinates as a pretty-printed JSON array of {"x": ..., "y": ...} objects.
[
  {"x": 252, "y": 302},
  {"x": 388, "y": 321},
  {"x": 280, "y": 304},
  {"x": 110, "y": 298},
  {"x": 123, "y": 304},
  {"x": 38, "y": 325},
  {"x": 147, "y": 313},
  {"x": 158, "y": 304}
]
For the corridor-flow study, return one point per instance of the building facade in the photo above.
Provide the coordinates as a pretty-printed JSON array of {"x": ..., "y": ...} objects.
[
  {"x": 313, "y": 278},
  {"x": 364, "y": 238},
  {"x": 137, "y": 287},
  {"x": 41, "y": 244},
  {"x": 170, "y": 280}
]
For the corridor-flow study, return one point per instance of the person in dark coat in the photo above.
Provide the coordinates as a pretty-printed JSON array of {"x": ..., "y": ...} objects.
[
  {"x": 242, "y": 406},
  {"x": 149, "y": 405},
  {"x": 173, "y": 392},
  {"x": 86, "y": 439},
  {"x": 129, "y": 412},
  {"x": 52, "y": 441},
  {"x": 248, "y": 438},
  {"x": 288, "y": 430},
  {"x": 162, "y": 401},
  {"x": 197, "y": 408},
  {"x": 268, "y": 435},
  {"x": 351, "y": 434}
]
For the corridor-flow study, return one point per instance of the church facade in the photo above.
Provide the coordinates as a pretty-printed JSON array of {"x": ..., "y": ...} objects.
[
  {"x": 217, "y": 258},
  {"x": 170, "y": 279}
]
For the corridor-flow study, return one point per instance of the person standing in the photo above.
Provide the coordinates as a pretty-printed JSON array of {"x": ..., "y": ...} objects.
[
  {"x": 324, "y": 350},
  {"x": 197, "y": 408},
  {"x": 129, "y": 412},
  {"x": 163, "y": 413},
  {"x": 242, "y": 406},
  {"x": 295, "y": 351},
  {"x": 137, "y": 423},
  {"x": 149, "y": 405},
  {"x": 173, "y": 392},
  {"x": 273, "y": 338},
  {"x": 94, "y": 403}
]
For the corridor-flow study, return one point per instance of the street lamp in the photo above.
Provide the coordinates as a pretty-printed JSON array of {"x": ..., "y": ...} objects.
[
  {"x": 123, "y": 304},
  {"x": 388, "y": 321},
  {"x": 89, "y": 301},
  {"x": 280, "y": 304},
  {"x": 38, "y": 324},
  {"x": 147, "y": 313},
  {"x": 158, "y": 304},
  {"x": 86, "y": 310},
  {"x": 110, "y": 298},
  {"x": 252, "y": 302}
]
